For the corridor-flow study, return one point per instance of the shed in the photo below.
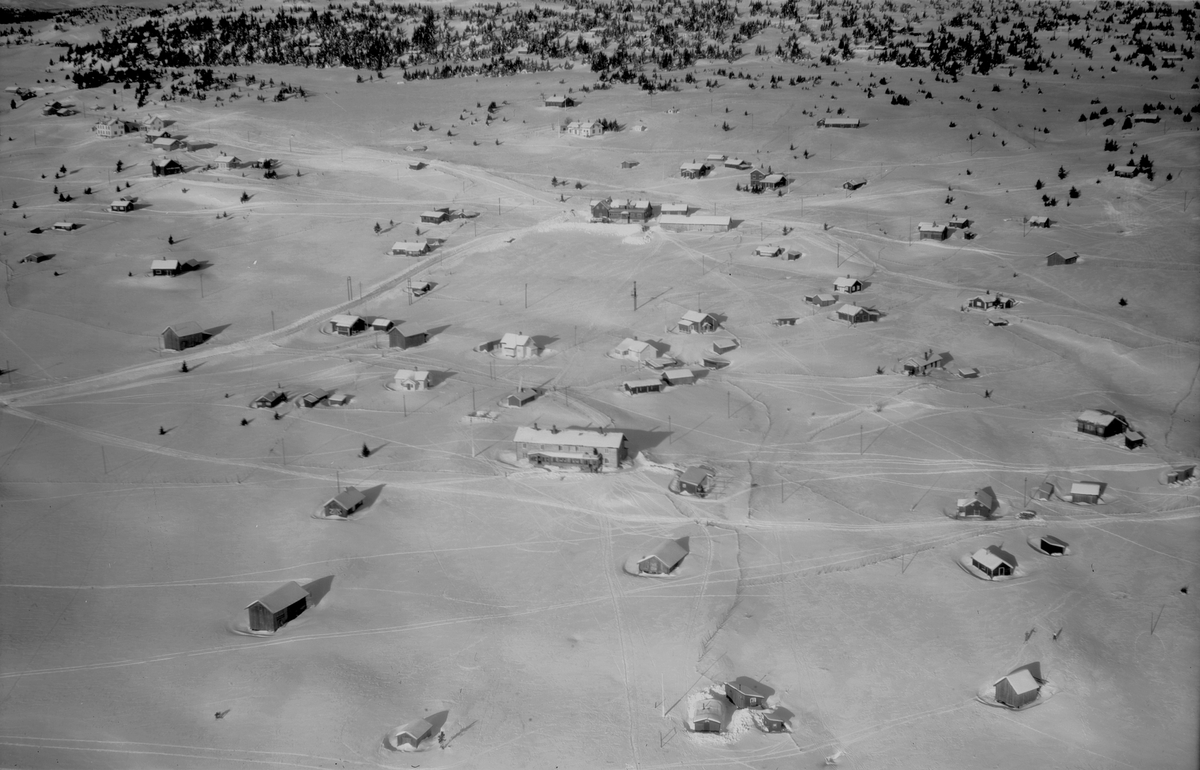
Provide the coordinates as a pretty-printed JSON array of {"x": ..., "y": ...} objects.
[
  {"x": 931, "y": 231},
  {"x": 417, "y": 288},
  {"x": 855, "y": 314},
  {"x": 165, "y": 267},
  {"x": 821, "y": 300},
  {"x": 520, "y": 397},
  {"x": 854, "y": 184},
  {"x": 697, "y": 322},
  {"x": 679, "y": 209},
  {"x": 416, "y": 165},
  {"x": 776, "y": 720},
  {"x": 338, "y": 399},
  {"x": 63, "y": 227},
  {"x": 760, "y": 181},
  {"x": 404, "y": 339},
  {"x": 696, "y": 480},
  {"x": 411, "y": 379},
  {"x": 746, "y": 693},
  {"x": 435, "y": 216},
  {"x": 277, "y": 608},
  {"x": 345, "y": 502},
  {"x": 381, "y": 324},
  {"x": 959, "y": 223},
  {"x": 267, "y": 163},
  {"x": 517, "y": 346},
  {"x": 792, "y": 254},
  {"x": 1087, "y": 492},
  {"x": 347, "y": 325},
  {"x": 1017, "y": 689},
  {"x": 1039, "y": 222},
  {"x": 678, "y": 376},
  {"x": 1125, "y": 172},
  {"x": 182, "y": 336},
  {"x": 663, "y": 559},
  {"x": 35, "y": 257},
  {"x": 121, "y": 204},
  {"x": 791, "y": 321},
  {"x": 630, "y": 163},
  {"x": 704, "y": 223},
  {"x": 1053, "y": 545},
  {"x": 413, "y": 733},
  {"x": 1045, "y": 491},
  {"x": 409, "y": 248},
  {"x": 588, "y": 450},
  {"x": 313, "y": 397},
  {"x": 269, "y": 400},
  {"x": 634, "y": 387},
  {"x": 847, "y": 284},
  {"x": 768, "y": 251},
  {"x": 982, "y": 503},
  {"x": 715, "y": 157},
  {"x": 1134, "y": 439},
  {"x": 839, "y": 123},
  {"x": 994, "y": 561},
  {"x": 227, "y": 162},
  {"x": 1146, "y": 117},
  {"x": 708, "y": 717},
  {"x": 1100, "y": 423},
  {"x": 1176, "y": 474},
  {"x": 968, "y": 373},
  {"x": 923, "y": 365},
  {"x": 737, "y": 163},
  {"x": 1054, "y": 258}
]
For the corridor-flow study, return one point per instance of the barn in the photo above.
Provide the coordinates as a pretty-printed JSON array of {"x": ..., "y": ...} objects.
[
  {"x": 1096, "y": 422},
  {"x": 715, "y": 158},
  {"x": 696, "y": 480},
  {"x": 170, "y": 267},
  {"x": 1042, "y": 222},
  {"x": 922, "y": 366},
  {"x": 589, "y": 450},
  {"x": 345, "y": 502},
  {"x": 663, "y": 559},
  {"x": 381, "y": 324},
  {"x": 1125, "y": 172},
  {"x": 1053, "y": 545},
  {"x": 517, "y": 346},
  {"x": 982, "y": 503},
  {"x": 1017, "y": 689},
  {"x": 1054, "y": 258},
  {"x": 746, "y": 693},
  {"x": 959, "y": 223},
  {"x": 634, "y": 387},
  {"x": 269, "y": 400},
  {"x": 1088, "y": 492},
  {"x": 703, "y": 223},
  {"x": 416, "y": 165},
  {"x": 1177, "y": 474},
  {"x": 418, "y": 288},
  {"x": 411, "y": 379},
  {"x": 854, "y": 184},
  {"x": 932, "y": 231},
  {"x": 737, "y": 163},
  {"x": 856, "y": 315},
  {"x": 633, "y": 349},
  {"x": 847, "y": 284},
  {"x": 994, "y": 561},
  {"x": 520, "y": 397},
  {"x": 1146, "y": 117},
  {"x": 277, "y": 608},
  {"x": 165, "y": 167},
  {"x": 63, "y": 227},
  {"x": 768, "y": 251},
  {"x": 347, "y": 325},
  {"x": 408, "y": 248},
  {"x": 406, "y": 338},
  {"x": 697, "y": 322},
  {"x": 413, "y": 733},
  {"x": 182, "y": 336},
  {"x": 679, "y": 209},
  {"x": 708, "y": 716},
  {"x": 166, "y": 144}
]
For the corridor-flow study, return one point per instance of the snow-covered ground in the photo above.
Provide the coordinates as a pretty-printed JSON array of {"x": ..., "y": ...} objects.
[{"x": 824, "y": 565}]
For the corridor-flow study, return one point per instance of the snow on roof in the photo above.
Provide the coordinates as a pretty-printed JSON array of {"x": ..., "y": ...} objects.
[
  {"x": 1086, "y": 488},
  {"x": 1054, "y": 540},
  {"x": 1021, "y": 681},
  {"x": 695, "y": 474},
  {"x": 709, "y": 709},
  {"x": 345, "y": 320},
  {"x": 849, "y": 310},
  {"x": 672, "y": 208},
  {"x": 774, "y": 179},
  {"x": 668, "y": 552},
  {"x": 1096, "y": 417},
  {"x": 678, "y": 374},
  {"x": 348, "y": 498},
  {"x": 630, "y": 345},
  {"x": 281, "y": 598},
  {"x": 164, "y": 264},
  {"x": 223, "y": 158},
  {"x": 847, "y": 281},
  {"x": 747, "y": 686},
  {"x": 186, "y": 328},
  {"x": 930, "y": 227},
  {"x": 570, "y": 436},
  {"x": 653, "y": 382},
  {"x": 695, "y": 219},
  {"x": 825, "y": 297},
  {"x": 416, "y": 729},
  {"x": 411, "y": 374},
  {"x": 986, "y": 496},
  {"x": 716, "y": 156},
  {"x": 993, "y": 556},
  {"x": 1038, "y": 220},
  {"x": 695, "y": 316},
  {"x": 691, "y": 166},
  {"x": 510, "y": 340},
  {"x": 435, "y": 213}
]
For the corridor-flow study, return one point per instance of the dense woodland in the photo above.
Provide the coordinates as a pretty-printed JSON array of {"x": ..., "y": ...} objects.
[{"x": 619, "y": 41}]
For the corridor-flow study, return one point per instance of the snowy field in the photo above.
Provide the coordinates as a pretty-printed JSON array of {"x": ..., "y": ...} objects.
[{"x": 139, "y": 515}]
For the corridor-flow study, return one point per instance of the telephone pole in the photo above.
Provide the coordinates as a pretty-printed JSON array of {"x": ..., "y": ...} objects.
[{"x": 635, "y": 296}]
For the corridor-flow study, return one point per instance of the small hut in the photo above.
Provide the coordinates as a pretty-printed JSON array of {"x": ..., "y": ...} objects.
[
  {"x": 708, "y": 717},
  {"x": 663, "y": 559},
  {"x": 1045, "y": 491},
  {"x": 1053, "y": 546},
  {"x": 520, "y": 397},
  {"x": 1087, "y": 492},
  {"x": 776, "y": 720},
  {"x": 345, "y": 503},
  {"x": 1176, "y": 474},
  {"x": 413, "y": 733},
  {"x": 1019, "y": 688},
  {"x": 696, "y": 480},
  {"x": 182, "y": 336},
  {"x": 277, "y": 608},
  {"x": 994, "y": 561},
  {"x": 269, "y": 400}
]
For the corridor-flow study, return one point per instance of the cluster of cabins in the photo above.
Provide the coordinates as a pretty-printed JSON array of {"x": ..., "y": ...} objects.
[
  {"x": 348, "y": 325},
  {"x": 673, "y": 217},
  {"x": 709, "y": 715}
]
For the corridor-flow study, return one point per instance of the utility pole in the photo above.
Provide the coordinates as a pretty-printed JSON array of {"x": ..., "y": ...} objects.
[
  {"x": 635, "y": 296},
  {"x": 272, "y": 320},
  {"x": 201, "y": 284},
  {"x": 526, "y": 296}
]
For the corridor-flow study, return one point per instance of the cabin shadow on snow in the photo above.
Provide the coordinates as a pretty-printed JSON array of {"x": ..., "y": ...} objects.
[
  {"x": 544, "y": 341},
  {"x": 200, "y": 145},
  {"x": 318, "y": 588},
  {"x": 214, "y": 331},
  {"x": 434, "y": 331},
  {"x": 639, "y": 440},
  {"x": 437, "y": 722},
  {"x": 372, "y": 494}
]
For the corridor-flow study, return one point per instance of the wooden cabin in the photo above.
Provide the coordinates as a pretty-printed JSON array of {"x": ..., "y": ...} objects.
[
  {"x": 277, "y": 608},
  {"x": 345, "y": 502}
]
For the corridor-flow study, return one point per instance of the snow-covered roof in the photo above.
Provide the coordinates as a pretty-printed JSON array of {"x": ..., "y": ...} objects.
[
  {"x": 849, "y": 310},
  {"x": 1054, "y": 541},
  {"x": 570, "y": 436},
  {"x": 1021, "y": 681},
  {"x": 774, "y": 179},
  {"x": 164, "y": 264},
  {"x": 436, "y": 214},
  {"x": 716, "y": 157},
  {"x": 993, "y": 556},
  {"x": 695, "y": 316},
  {"x": 709, "y": 710},
  {"x": 695, "y": 474},
  {"x": 348, "y": 498},
  {"x": 629, "y": 345},
  {"x": 409, "y": 246},
  {"x": 674, "y": 208},
  {"x": 678, "y": 374},
  {"x": 345, "y": 320},
  {"x": 668, "y": 552},
  {"x": 768, "y": 250},
  {"x": 846, "y": 282},
  {"x": 186, "y": 328},
  {"x": 930, "y": 227},
  {"x": 1038, "y": 220},
  {"x": 1096, "y": 417},
  {"x": 1086, "y": 488},
  {"x": 691, "y": 166},
  {"x": 695, "y": 219},
  {"x": 411, "y": 374},
  {"x": 650, "y": 383},
  {"x": 510, "y": 340},
  {"x": 825, "y": 298},
  {"x": 416, "y": 729},
  {"x": 281, "y": 598}
]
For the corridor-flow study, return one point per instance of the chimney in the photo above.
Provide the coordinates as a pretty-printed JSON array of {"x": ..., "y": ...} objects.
[
  {"x": 535, "y": 427},
  {"x": 554, "y": 429}
]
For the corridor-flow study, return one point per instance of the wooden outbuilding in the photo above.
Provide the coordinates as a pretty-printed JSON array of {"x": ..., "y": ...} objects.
[
  {"x": 313, "y": 397},
  {"x": 663, "y": 559},
  {"x": 1055, "y": 258},
  {"x": 345, "y": 502},
  {"x": 558, "y": 101},
  {"x": 1088, "y": 492},
  {"x": 1043, "y": 222},
  {"x": 1134, "y": 439},
  {"x": 1017, "y": 689},
  {"x": 630, "y": 163},
  {"x": 854, "y": 184},
  {"x": 35, "y": 257},
  {"x": 269, "y": 400},
  {"x": 121, "y": 205},
  {"x": 1097, "y": 422},
  {"x": 737, "y": 163},
  {"x": 63, "y": 227},
  {"x": 165, "y": 167},
  {"x": 182, "y": 336},
  {"x": 959, "y": 223},
  {"x": 777, "y": 720},
  {"x": 520, "y": 397},
  {"x": 419, "y": 288},
  {"x": 821, "y": 300},
  {"x": 982, "y": 503},
  {"x": 1052, "y": 545},
  {"x": 693, "y": 170},
  {"x": 708, "y": 717},
  {"x": 697, "y": 480},
  {"x": 435, "y": 216},
  {"x": 1146, "y": 117},
  {"x": 347, "y": 325},
  {"x": 1177, "y": 474},
  {"x": 277, "y": 608},
  {"x": 381, "y": 324},
  {"x": 589, "y": 450},
  {"x": 678, "y": 376},
  {"x": 925, "y": 364},
  {"x": 413, "y": 733},
  {"x": 1044, "y": 491},
  {"x": 760, "y": 182},
  {"x": 634, "y": 387},
  {"x": 166, "y": 143},
  {"x": 856, "y": 315},
  {"x": 697, "y": 322},
  {"x": 746, "y": 693},
  {"x": 1125, "y": 172},
  {"x": 399, "y": 337},
  {"x": 769, "y": 251},
  {"x": 847, "y": 284},
  {"x": 227, "y": 162},
  {"x": 994, "y": 561},
  {"x": 715, "y": 158},
  {"x": 932, "y": 231}
]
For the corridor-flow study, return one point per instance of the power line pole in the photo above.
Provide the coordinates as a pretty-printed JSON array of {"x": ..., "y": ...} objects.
[{"x": 635, "y": 296}]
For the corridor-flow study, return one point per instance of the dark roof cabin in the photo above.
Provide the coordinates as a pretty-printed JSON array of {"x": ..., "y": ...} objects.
[
  {"x": 312, "y": 398},
  {"x": 663, "y": 559},
  {"x": 856, "y": 315},
  {"x": 182, "y": 336},
  {"x": 1134, "y": 439},
  {"x": 269, "y": 400},
  {"x": 345, "y": 502},
  {"x": 1045, "y": 491},
  {"x": 277, "y": 608},
  {"x": 1096, "y": 422},
  {"x": 405, "y": 339},
  {"x": 165, "y": 167},
  {"x": 746, "y": 693},
  {"x": 1054, "y": 258},
  {"x": 776, "y": 720},
  {"x": 982, "y": 503}
]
